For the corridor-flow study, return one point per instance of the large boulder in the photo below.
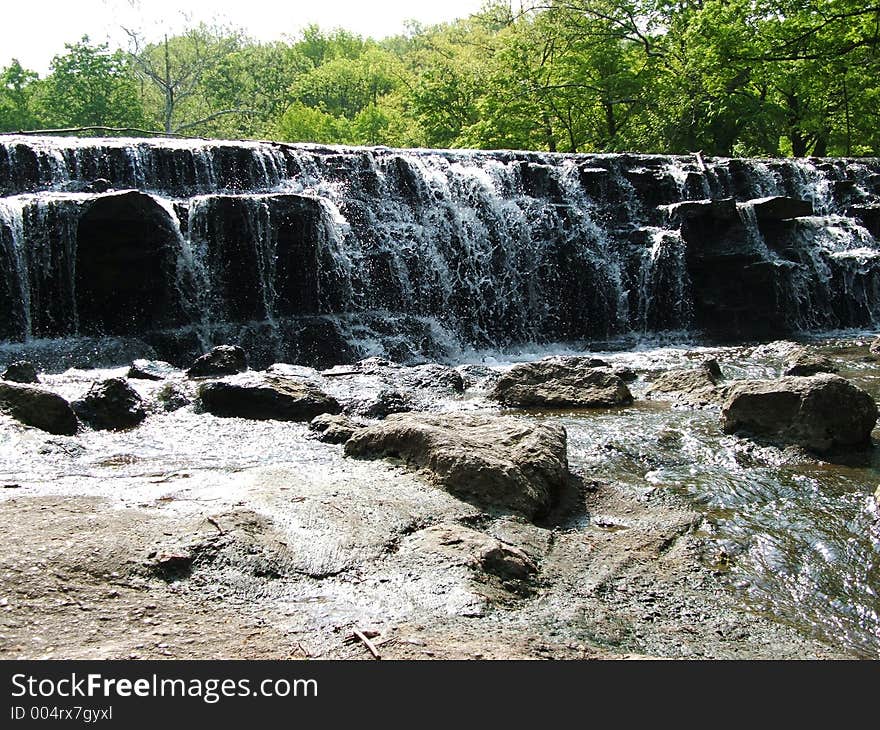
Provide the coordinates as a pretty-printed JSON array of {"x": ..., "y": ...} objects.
[
  {"x": 111, "y": 404},
  {"x": 38, "y": 408},
  {"x": 270, "y": 398},
  {"x": 803, "y": 362},
  {"x": 821, "y": 412},
  {"x": 491, "y": 461},
  {"x": 221, "y": 360},
  {"x": 570, "y": 383},
  {"x": 21, "y": 372}
]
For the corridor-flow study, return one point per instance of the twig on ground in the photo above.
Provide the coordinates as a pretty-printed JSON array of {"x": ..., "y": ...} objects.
[{"x": 369, "y": 644}]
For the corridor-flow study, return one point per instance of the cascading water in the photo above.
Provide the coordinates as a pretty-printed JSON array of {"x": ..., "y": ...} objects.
[{"x": 419, "y": 253}]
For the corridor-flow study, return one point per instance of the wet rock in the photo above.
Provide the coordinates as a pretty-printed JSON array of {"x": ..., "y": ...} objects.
[
  {"x": 779, "y": 207},
  {"x": 334, "y": 428},
  {"x": 490, "y": 461},
  {"x": 627, "y": 375},
  {"x": 221, "y": 360},
  {"x": 381, "y": 404},
  {"x": 875, "y": 347},
  {"x": 474, "y": 375},
  {"x": 433, "y": 376},
  {"x": 38, "y": 408},
  {"x": 804, "y": 362},
  {"x": 689, "y": 386},
  {"x": 270, "y": 398},
  {"x": 171, "y": 397},
  {"x": 554, "y": 384},
  {"x": 820, "y": 412},
  {"x": 110, "y": 404},
  {"x": 21, "y": 372},
  {"x": 711, "y": 366},
  {"x": 150, "y": 370},
  {"x": 477, "y": 551},
  {"x": 723, "y": 209}
]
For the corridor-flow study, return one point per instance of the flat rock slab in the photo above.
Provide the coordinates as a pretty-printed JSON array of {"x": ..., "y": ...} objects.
[
  {"x": 560, "y": 384},
  {"x": 269, "y": 398},
  {"x": 821, "y": 412},
  {"x": 490, "y": 461},
  {"x": 38, "y": 408}
]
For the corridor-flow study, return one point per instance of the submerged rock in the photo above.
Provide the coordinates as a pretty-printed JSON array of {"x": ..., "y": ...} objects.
[
  {"x": 221, "y": 360},
  {"x": 491, "y": 461},
  {"x": 150, "y": 370},
  {"x": 333, "y": 428},
  {"x": 110, "y": 404},
  {"x": 569, "y": 383},
  {"x": 804, "y": 362},
  {"x": 38, "y": 408},
  {"x": 21, "y": 372},
  {"x": 270, "y": 398},
  {"x": 820, "y": 412}
]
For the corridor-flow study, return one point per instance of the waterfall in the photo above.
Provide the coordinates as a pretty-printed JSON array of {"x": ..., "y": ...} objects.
[{"x": 420, "y": 252}]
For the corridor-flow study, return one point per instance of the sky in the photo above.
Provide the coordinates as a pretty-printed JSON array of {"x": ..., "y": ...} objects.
[{"x": 33, "y": 31}]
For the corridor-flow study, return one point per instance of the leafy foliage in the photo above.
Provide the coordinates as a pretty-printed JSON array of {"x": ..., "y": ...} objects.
[{"x": 727, "y": 77}]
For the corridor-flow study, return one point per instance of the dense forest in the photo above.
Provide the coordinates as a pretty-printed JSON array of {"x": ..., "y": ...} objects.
[{"x": 727, "y": 77}]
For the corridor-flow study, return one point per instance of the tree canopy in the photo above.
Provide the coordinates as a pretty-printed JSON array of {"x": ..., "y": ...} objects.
[{"x": 725, "y": 77}]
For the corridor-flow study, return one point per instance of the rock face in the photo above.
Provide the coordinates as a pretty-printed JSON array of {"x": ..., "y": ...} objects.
[
  {"x": 490, "y": 461},
  {"x": 272, "y": 398},
  {"x": 21, "y": 372},
  {"x": 110, "y": 404},
  {"x": 334, "y": 428},
  {"x": 568, "y": 384},
  {"x": 38, "y": 408},
  {"x": 803, "y": 362},
  {"x": 819, "y": 412},
  {"x": 221, "y": 360}
]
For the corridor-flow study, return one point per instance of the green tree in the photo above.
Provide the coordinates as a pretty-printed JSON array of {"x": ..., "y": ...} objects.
[
  {"x": 175, "y": 70},
  {"x": 91, "y": 86},
  {"x": 17, "y": 87}
]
